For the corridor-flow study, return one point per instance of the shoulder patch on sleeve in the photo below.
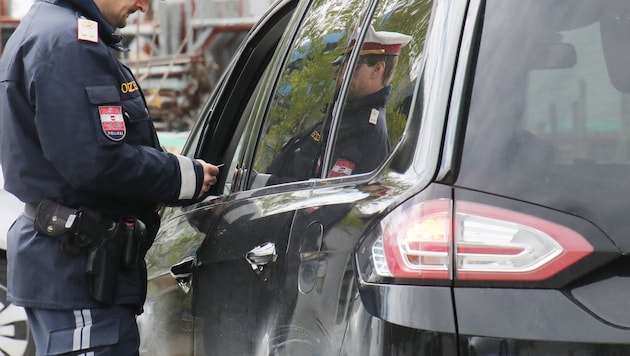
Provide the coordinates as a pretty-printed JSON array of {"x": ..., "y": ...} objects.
[
  {"x": 87, "y": 30},
  {"x": 112, "y": 122}
]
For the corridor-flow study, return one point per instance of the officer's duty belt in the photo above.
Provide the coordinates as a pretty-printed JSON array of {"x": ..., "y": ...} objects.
[
  {"x": 75, "y": 228},
  {"x": 110, "y": 244}
]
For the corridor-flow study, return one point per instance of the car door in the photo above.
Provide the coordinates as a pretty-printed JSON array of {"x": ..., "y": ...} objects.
[
  {"x": 275, "y": 273},
  {"x": 242, "y": 263},
  {"x": 320, "y": 289}
]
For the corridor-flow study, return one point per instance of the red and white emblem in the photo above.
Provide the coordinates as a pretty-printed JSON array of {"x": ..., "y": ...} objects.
[
  {"x": 342, "y": 168},
  {"x": 112, "y": 122}
]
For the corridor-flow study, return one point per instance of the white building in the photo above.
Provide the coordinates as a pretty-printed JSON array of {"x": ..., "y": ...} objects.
[{"x": 17, "y": 8}]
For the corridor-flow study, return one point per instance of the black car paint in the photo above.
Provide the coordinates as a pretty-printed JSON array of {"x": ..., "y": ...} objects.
[{"x": 314, "y": 301}]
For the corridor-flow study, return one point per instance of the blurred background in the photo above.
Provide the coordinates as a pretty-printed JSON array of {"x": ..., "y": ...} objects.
[{"x": 178, "y": 50}]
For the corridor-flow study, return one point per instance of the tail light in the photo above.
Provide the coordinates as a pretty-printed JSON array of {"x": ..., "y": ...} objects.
[{"x": 437, "y": 239}]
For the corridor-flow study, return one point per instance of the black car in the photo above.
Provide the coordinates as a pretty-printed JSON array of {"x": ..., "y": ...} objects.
[{"x": 497, "y": 225}]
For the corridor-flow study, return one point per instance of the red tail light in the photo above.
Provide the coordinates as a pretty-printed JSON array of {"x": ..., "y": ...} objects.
[{"x": 470, "y": 241}]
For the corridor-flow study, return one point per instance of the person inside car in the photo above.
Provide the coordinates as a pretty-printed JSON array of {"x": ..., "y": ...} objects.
[{"x": 363, "y": 141}]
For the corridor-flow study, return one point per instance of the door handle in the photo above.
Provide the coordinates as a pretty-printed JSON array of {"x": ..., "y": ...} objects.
[
  {"x": 182, "y": 272},
  {"x": 261, "y": 255}
]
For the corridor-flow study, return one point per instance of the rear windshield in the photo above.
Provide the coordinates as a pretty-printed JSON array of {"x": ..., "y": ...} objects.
[{"x": 549, "y": 116}]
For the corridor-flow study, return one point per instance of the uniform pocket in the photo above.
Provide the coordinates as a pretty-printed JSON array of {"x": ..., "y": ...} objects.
[
  {"x": 140, "y": 125},
  {"x": 120, "y": 117},
  {"x": 135, "y": 108},
  {"x": 102, "y": 94},
  {"x": 92, "y": 336},
  {"x": 107, "y": 113}
]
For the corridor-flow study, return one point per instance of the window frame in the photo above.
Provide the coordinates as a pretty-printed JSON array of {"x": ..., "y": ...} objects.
[
  {"x": 221, "y": 117},
  {"x": 267, "y": 97}
]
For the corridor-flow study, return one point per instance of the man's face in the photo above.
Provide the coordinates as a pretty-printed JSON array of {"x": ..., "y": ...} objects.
[
  {"x": 116, "y": 12},
  {"x": 361, "y": 83},
  {"x": 365, "y": 80}
]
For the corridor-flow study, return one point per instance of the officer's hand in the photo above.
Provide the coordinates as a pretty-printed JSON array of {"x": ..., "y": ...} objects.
[{"x": 210, "y": 173}]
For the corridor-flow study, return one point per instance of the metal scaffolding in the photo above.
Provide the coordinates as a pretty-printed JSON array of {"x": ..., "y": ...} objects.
[{"x": 178, "y": 50}]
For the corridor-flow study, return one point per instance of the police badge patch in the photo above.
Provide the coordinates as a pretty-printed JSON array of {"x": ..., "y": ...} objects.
[
  {"x": 112, "y": 122},
  {"x": 342, "y": 168}
]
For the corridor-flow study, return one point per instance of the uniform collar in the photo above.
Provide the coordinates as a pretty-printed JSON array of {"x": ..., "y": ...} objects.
[
  {"x": 89, "y": 9},
  {"x": 377, "y": 99}
]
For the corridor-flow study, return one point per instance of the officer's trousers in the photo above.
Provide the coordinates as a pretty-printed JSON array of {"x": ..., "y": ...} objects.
[{"x": 89, "y": 332}]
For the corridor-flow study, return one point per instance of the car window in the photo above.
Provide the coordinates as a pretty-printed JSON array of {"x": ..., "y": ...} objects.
[
  {"x": 230, "y": 115},
  {"x": 246, "y": 133},
  {"x": 292, "y": 136},
  {"x": 549, "y": 114},
  {"x": 380, "y": 89}
]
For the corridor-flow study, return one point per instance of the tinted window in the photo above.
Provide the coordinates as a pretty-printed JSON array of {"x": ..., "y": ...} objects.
[
  {"x": 295, "y": 138},
  {"x": 371, "y": 122},
  {"x": 305, "y": 93},
  {"x": 549, "y": 117}
]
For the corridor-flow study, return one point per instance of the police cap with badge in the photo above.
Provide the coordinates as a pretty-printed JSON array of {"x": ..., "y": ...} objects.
[{"x": 383, "y": 43}]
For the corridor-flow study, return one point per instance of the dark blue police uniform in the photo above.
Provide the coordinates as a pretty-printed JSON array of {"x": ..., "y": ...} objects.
[
  {"x": 361, "y": 145},
  {"x": 75, "y": 129}
]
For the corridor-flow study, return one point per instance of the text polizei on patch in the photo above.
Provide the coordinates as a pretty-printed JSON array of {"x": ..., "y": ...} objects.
[{"x": 113, "y": 122}]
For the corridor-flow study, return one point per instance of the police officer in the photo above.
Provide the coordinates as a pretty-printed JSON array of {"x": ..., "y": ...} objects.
[
  {"x": 362, "y": 141},
  {"x": 79, "y": 148}
]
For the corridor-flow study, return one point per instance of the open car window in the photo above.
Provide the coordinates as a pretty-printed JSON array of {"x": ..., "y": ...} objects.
[{"x": 231, "y": 114}]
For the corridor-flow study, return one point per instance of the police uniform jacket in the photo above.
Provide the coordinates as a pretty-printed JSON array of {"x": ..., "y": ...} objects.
[
  {"x": 361, "y": 145},
  {"x": 74, "y": 128}
]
